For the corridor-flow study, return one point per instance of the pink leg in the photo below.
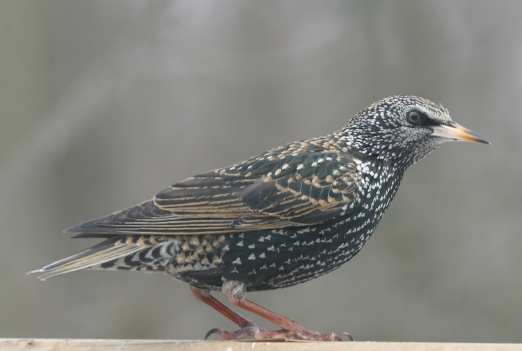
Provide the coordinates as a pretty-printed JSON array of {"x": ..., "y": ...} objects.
[
  {"x": 247, "y": 329},
  {"x": 291, "y": 330},
  {"x": 210, "y": 300}
]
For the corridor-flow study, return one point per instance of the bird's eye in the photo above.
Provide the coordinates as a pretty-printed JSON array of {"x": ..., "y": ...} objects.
[{"x": 417, "y": 118}]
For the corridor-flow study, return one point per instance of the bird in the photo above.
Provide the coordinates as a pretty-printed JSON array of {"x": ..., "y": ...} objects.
[{"x": 288, "y": 215}]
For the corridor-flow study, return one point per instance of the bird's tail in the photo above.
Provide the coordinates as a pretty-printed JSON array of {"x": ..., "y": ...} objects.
[{"x": 108, "y": 250}]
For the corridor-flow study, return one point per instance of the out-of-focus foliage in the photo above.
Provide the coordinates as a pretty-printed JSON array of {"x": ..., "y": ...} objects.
[{"x": 103, "y": 103}]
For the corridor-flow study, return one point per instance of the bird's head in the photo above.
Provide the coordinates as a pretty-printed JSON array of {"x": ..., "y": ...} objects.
[{"x": 403, "y": 129}]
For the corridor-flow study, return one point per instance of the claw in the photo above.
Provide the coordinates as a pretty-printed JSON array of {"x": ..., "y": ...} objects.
[
  {"x": 250, "y": 332},
  {"x": 212, "y": 332},
  {"x": 348, "y": 336}
]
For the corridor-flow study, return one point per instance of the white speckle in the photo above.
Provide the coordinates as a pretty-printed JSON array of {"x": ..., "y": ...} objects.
[
  {"x": 252, "y": 257},
  {"x": 237, "y": 261}
]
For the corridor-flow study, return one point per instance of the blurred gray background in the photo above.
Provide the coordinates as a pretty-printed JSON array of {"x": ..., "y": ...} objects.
[{"x": 104, "y": 103}]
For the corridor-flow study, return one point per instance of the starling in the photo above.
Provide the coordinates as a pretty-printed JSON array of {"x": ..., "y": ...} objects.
[{"x": 288, "y": 215}]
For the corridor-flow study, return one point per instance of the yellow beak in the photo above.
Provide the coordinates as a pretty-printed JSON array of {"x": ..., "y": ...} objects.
[{"x": 457, "y": 132}]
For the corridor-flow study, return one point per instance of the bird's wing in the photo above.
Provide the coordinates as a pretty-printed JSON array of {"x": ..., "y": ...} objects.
[{"x": 290, "y": 186}]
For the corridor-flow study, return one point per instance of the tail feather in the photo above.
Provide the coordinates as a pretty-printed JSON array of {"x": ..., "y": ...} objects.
[{"x": 103, "y": 252}]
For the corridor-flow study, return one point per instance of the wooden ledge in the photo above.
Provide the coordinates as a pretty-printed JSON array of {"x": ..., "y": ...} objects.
[{"x": 191, "y": 345}]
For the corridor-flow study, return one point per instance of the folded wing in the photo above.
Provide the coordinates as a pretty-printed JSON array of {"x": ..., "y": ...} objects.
[{"x": 293, "y": 186}]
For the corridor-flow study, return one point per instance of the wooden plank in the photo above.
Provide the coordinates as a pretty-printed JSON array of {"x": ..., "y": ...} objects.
[{"x": 189, "y": 345}]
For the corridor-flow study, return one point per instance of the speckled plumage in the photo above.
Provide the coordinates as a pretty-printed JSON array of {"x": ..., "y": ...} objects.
[{"x": 281, "y": 218}]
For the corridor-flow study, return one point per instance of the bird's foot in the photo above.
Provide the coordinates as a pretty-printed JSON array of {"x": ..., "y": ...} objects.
[
  {"x": 309, "y": 335},
  {"x": 253, "y": 332}
]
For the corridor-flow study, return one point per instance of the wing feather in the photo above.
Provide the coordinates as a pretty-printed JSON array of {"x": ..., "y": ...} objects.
[{"x": 294, "y": 186}]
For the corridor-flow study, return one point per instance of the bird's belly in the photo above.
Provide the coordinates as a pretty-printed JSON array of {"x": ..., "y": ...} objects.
[{"x": 280, "y": 258}]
